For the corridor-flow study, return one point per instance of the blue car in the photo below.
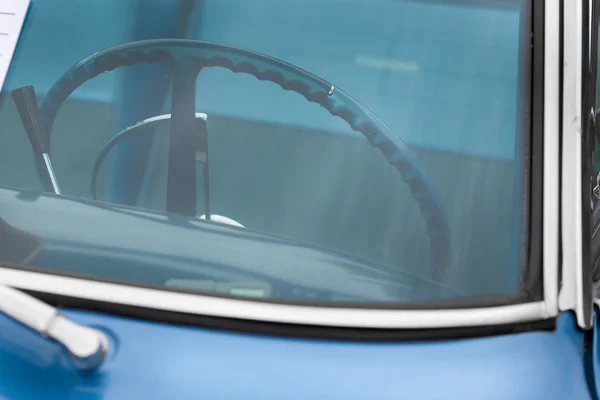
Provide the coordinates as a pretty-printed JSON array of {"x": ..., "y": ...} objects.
[{"x": 299, "y": 199}]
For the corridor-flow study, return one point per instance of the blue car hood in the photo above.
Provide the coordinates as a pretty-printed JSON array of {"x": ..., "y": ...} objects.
[{"x": 161, "y": 361}]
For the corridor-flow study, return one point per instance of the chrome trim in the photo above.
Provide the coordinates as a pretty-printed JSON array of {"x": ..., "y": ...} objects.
[
  {"x": 551, "y": 210},
  {"x": 270, "y": 312},
  {"x": 51, "y": 173},
  {"x": 159, "y": 118},
  {"x": 571, "y": 292},
  {"x": 222, "y": 220}
]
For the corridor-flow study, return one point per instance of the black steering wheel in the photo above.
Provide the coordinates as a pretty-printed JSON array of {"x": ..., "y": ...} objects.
[{"x": 188, "y": 57}]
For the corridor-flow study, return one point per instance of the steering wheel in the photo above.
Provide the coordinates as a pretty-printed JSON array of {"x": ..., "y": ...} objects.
[{"x": 188, "y": 57}]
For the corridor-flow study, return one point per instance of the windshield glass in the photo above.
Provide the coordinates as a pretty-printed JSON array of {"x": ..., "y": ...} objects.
[{"x": 344, "y": 150}]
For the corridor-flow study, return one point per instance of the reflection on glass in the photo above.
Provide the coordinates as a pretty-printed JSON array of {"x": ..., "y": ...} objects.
[{"x": 435, "y": 96}]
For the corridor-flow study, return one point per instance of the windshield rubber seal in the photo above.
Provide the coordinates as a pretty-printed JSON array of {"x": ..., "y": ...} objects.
[{"x": 292, "y": 330}]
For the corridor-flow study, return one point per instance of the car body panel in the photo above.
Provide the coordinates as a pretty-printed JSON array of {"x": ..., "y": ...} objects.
[{"x": 150, "y": 360}]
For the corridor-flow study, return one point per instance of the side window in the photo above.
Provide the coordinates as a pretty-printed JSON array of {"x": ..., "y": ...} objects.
[
  {"x": 596, "y": 149},
  {"x": 595, "y": 167},
  {"x": 596, "y": 177},
  {"x": 596, "y": 160}
]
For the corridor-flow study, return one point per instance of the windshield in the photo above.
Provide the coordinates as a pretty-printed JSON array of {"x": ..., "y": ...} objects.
[{"x": 343, "y": 150}]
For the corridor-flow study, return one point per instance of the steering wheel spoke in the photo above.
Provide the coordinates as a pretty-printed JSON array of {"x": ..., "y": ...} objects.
[{"x": 181, "y": 173}]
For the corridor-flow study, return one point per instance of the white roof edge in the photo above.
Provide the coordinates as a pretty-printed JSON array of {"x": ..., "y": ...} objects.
[
  {"x": 269, "y": 312},
  {"x": 571, "y": 296},
  {"x": 551, "y": 212}
]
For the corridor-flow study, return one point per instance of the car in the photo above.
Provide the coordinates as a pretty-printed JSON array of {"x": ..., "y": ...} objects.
[{"x": 341, "y": 199}]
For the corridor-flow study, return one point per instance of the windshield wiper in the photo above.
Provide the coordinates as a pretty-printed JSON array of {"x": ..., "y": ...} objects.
[{"x": 86, "y": 347}]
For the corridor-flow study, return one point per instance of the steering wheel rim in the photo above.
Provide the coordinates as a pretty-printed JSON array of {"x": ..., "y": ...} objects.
[{"x": 198, "y": 54}]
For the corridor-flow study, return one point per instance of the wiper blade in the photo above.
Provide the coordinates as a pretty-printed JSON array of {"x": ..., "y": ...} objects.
[{"x": 86, "y": 347}]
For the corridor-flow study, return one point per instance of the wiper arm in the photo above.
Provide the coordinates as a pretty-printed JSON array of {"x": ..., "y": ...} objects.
[{"x": 86, "y": 347}]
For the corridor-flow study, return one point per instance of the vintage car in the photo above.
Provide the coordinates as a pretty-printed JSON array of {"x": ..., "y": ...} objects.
[{"x": 402, "y": 200}]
